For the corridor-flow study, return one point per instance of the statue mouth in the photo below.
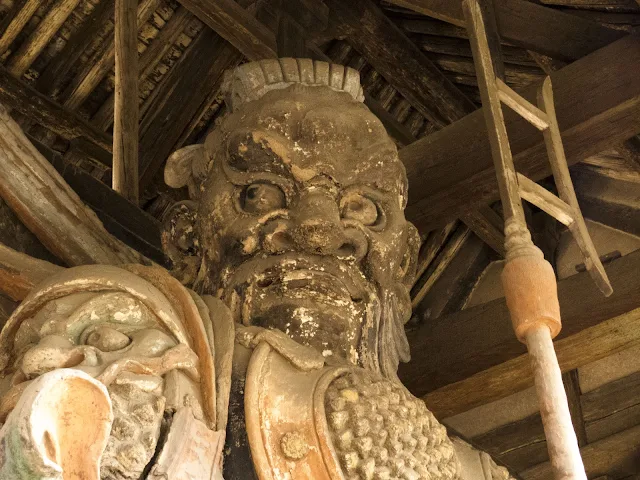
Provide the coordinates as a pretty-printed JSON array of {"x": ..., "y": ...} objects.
[{"x": 314, "y": 277}]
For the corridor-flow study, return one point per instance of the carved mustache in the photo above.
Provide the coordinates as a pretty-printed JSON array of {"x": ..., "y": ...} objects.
[{"x": 178, "y": 357}]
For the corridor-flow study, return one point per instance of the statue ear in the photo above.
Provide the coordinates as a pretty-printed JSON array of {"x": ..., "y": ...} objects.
[
  {"x": 409, "y": 262},
  {"x": 182, "y": 166},
  {"x": 180, "y": 242}
]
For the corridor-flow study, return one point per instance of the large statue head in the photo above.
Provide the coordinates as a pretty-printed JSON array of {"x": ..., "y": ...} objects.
[
  {"x": 138, "y": 333},
  {"x": 296, "y": 214}
]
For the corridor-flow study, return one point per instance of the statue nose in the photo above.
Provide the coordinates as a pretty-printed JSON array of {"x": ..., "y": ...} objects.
[{"x": 316, "y": 224}]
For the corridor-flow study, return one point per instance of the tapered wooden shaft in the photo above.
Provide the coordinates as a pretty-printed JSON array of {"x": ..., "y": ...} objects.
[
  {"x": 562, "y": 442},
  {"x": 125, "y": 124}
]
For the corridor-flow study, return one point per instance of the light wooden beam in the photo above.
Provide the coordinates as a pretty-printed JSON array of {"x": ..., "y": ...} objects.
[
  {"x": 531, "y": 26},
  {"x": 49, "y": 207},
  {"x": 19, "y": 272},
  {"x": 40, "y": 37},
  {"x": 597, "y": 105},
  {"x": 49, "y": 80},
  {"x": 471, "y": 358},
  {"x": 236, "y": 25},
  {"x": 23, "y": 98},
  {"x": 125, "y": 125},
  {"x": 21, "y": 13}
]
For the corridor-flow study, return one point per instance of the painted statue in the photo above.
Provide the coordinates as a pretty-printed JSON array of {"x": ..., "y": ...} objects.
[{"x": 283, "y": 364}]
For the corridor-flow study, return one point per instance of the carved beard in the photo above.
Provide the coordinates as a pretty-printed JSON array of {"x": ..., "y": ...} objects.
[
  {"x": 134, "y": 433},
  {"x": 382, "y": 342}
]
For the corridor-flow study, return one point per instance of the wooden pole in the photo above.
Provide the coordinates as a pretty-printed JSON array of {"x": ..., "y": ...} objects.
[
  {"x": 562, "y": 442},
  {"x": 528, "y": 280},
  {"x": 125, "y": 125}
]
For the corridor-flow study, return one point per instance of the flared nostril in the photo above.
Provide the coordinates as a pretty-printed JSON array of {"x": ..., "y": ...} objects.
[{"x": 355, "y": 246}]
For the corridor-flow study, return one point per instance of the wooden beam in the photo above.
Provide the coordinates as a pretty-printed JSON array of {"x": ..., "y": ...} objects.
[
  {"x": 400, "y": 61},
  {"x": 100, "y": 63},
  {"x": 19, "y": 16},
  {"x": 19, "y": 272},
  {"x": 54, "y": 73},
  {"x": 597, "y": 103},
  {"x": 25, "y": 99},
  {"x": 49, "y": 208},
  {"x": 472, "y": 357},
  {"x": 121, "y": 218},
  {"x": 534, "y": 27},
  {"x": 616, "y": 456},
  {"x": 455, "y": 284},
  {"x": 236, "y": 25},
  {"x": 572, "y": 389},
  {"x": 487, "y": 225},
  {"x": 198, "y": 72},
  {"x": 40, "y": 37},
  {"x": 125, "y": 125},
  {"x": 439, "y": 265},
  {"x": 609, "y": 200}
]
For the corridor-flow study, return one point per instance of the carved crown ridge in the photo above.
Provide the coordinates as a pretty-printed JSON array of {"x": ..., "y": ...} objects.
[{"x": 253, "y": 80}]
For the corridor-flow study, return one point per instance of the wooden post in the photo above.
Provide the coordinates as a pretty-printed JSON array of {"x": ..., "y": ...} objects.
[{"x": 125, "y": 125}]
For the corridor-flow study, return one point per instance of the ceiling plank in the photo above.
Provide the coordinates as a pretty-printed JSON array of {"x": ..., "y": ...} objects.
[
  {"x": 525, "y": 24},
  {"x": 236, "y": 25},
  {"x": 598, "y": 106},
  {"x": 25, "y": 99},
  {"x": 472, "y": 357},
  {"x": 400, "y": 61}
]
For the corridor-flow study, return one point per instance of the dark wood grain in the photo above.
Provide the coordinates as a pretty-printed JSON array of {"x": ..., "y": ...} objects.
[{"x": 597, "y": 104}]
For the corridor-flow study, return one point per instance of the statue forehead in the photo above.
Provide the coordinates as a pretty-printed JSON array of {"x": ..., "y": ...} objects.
[{"x": 314, "y": 130}]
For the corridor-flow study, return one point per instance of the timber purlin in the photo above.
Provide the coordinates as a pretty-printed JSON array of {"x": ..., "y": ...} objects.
[{"x": 121, "y": 218}]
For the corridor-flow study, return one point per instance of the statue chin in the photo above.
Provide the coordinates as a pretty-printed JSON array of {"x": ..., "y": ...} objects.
[{"x": 330, "y": 324}]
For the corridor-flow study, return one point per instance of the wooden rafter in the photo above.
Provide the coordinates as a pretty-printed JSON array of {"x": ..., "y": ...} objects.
[
  {"x": 472, "y": 357},
  {"x": 198, "y": 73},
  {"x": 400, "y": 61},
  {"x": 236, "y": 25}
]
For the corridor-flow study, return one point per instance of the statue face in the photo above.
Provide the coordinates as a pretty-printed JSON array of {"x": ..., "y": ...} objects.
[
  {"x": 118, "y": 340},
  {"x": 301, "y": 223}
]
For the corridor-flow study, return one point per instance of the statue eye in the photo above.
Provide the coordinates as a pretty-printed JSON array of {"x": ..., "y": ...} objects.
[
  {"x": 360, "y": 208},
  {"x": 262, "y": 198}
]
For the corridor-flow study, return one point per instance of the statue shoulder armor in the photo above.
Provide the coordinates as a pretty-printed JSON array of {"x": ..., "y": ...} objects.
[{"x": 309, "y": 420}]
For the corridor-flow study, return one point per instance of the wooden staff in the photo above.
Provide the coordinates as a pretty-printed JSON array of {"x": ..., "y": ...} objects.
[{"x": 528, "y": 279}]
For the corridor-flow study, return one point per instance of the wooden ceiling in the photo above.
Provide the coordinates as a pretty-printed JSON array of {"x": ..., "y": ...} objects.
[{"x": 57, "y": 76}]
